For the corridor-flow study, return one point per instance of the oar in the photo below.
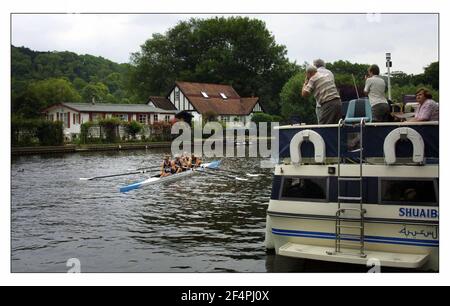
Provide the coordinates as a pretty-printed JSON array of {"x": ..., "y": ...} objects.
[
  {"x": 234, "y": 172},
  {"x": 145, "y": 168},
  {"x": 223, "y": 175},
  {"x": 111, "y": 175}
]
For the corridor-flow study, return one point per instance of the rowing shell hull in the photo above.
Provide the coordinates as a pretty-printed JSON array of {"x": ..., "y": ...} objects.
[{"x": 156, "y": 179}]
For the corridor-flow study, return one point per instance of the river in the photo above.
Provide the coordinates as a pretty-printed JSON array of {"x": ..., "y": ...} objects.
[{"x": 206, "y": 223}]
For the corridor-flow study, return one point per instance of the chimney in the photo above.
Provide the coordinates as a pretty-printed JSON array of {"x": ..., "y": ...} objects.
[{"x": 93, "y": 100}]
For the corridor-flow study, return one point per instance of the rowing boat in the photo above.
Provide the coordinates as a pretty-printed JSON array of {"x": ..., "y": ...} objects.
[{"x": 156, "y": 179}]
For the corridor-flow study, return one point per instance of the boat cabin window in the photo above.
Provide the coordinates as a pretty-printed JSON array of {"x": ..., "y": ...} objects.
[
  {"x": 304, "y": 188},
  {"x": 409, "y": 191}
]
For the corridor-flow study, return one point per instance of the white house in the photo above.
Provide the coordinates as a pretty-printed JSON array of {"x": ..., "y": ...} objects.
[
  {"x": 202, "y": 98},
  {"x": 74, "y": 114}
]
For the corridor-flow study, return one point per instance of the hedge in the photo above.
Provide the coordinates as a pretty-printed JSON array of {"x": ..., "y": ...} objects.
[{"x": 25, "y": 132}]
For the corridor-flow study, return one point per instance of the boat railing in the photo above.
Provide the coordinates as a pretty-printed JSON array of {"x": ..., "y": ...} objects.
[{"x": 386, "y": 144}]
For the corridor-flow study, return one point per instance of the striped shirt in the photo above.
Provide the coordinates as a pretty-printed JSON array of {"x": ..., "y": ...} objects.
[{"x": 323, "y": 88}]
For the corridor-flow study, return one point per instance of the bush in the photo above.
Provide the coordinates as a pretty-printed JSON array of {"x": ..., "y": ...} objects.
[
  {"x": 36, "y": 131},
  {"x": 84, "y": 132},
  {"x": 50, "y": 133},
  {"x": 261, "y": 117},
  {"x": 132, "y": 128},
  {"x": 110, "y": 126}
]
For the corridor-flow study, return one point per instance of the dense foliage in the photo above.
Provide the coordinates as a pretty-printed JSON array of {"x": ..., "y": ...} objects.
[
  {"x": 237, "y": 51},
  {"x": 39, "y": 79},
  {"x": 346, "y": 76},
  {"x": 26, "y": 132}
]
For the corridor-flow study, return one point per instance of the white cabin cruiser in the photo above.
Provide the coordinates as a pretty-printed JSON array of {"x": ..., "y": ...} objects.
[{"x": 357, "y": 193}]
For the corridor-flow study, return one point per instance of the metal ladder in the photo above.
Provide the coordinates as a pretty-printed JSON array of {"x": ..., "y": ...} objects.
[{"x": 343, "y": 223}]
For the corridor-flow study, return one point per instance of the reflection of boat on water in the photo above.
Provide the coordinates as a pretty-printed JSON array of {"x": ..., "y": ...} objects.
[{"x": 333, "y": 201}]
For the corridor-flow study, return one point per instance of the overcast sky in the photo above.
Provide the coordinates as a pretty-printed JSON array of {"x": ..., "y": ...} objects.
[{"x": 411, "y": 38}]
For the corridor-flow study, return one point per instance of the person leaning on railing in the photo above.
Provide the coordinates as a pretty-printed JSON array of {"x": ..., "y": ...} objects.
[
  {"x": 320, "y": 65},
  {"x": 326, "y": 94},
  {"x": 428, "y": 109}
]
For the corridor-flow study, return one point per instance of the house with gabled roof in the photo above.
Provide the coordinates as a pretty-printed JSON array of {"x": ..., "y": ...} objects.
[
  {"x": 74, "y": 114},
  {"x": 202, "y": 98}
]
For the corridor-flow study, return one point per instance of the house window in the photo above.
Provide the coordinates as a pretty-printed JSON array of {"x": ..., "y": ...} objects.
[
  {"x": 123, "y": 117},
  {"x": 226, "y": 118},
  {"x": 304, "y": 188},
  {"x": 204, "y": 94},
  {"x": 64, "y": 117},
  {"x": 155, "y": 118},
  {"x": 177, "y": 94},
  {"x": 96, "y": 117},
  {"x": 142, "y": 118},
  {"x": 223, "y": 96},
  {"x": 167, "y": 118},
  {"x": 76, "y": 118}
]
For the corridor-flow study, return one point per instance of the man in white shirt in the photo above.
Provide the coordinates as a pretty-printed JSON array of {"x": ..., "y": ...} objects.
[
  {"x": 375, "y": 88},
  {"x": 320, "y": 65}
]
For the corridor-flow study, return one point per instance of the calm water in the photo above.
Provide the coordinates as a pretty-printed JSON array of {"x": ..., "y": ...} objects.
[{"x": 200, "y": 224}]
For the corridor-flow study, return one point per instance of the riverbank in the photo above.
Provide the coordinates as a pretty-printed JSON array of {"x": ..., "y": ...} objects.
[
  {"x": 72, "y": 148},
  {"x": 17, "y": 151}
]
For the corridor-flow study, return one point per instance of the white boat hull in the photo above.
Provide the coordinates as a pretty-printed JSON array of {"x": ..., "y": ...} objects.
[
  {"x": 157, "y": 179},
  {"x": 397, "y": 231}
]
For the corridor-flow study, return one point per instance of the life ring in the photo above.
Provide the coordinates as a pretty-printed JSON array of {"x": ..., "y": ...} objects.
[
  {"x": 403, "y": 133},
  {"x": 307, "y": 135}
]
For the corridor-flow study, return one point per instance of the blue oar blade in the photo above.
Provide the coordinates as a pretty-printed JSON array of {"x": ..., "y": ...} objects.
[
  {"x": 131, "y": 187},
  {"x": 214, "y": 164}
]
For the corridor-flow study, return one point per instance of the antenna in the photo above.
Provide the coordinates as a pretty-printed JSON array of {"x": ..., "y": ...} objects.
[{"x": 356, "y": 88}]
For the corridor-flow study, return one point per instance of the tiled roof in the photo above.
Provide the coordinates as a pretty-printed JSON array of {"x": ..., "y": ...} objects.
[
  {"x": 162, "y": 102},
  {"x": 112, "y": 108},
  {"x": 233, "y": 105}
]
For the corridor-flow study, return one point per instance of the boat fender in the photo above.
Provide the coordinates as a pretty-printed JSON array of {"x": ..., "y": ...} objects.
[
  {"x": 403, "y": 133},
  {"x": 307, "y": 135}
]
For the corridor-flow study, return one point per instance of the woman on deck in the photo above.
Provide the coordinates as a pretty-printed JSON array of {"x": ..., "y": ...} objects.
[{"x": 428, "y": 109}]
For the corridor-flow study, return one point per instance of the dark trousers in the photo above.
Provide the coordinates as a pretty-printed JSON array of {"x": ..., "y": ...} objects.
[
  {"x": 380, "y": 112},
  {"x": 330, "y": 112}
]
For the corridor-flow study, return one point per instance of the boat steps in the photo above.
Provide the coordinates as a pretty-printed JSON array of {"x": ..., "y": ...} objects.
[{"x": 351, "y": 256}]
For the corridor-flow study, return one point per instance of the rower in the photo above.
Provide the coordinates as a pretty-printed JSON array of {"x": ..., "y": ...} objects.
[
  {"x": 166, "y": 167},
  {"x": 177, "y": 165},
  {"x": 195, "y": 161}
]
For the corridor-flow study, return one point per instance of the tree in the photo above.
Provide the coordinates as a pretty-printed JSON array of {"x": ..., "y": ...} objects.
[
  {"x": 359, "y": 71},
  {"x": 401, "y": 79},
  {"x": 133, "y": 128},
  {"x": 431, "y": 75},
  {"x": 28, "y": 66},
  {"x": 237, "y": 51},
  {"x": 293, "y": 104},
  {"x": 97, "y": 91},
  {"x": 41, "y": 94}
]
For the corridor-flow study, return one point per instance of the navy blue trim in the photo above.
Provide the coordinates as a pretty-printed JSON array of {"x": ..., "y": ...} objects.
[
  {"x": 374, "y": 239},
  {"x": 368, "y": 220}
]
